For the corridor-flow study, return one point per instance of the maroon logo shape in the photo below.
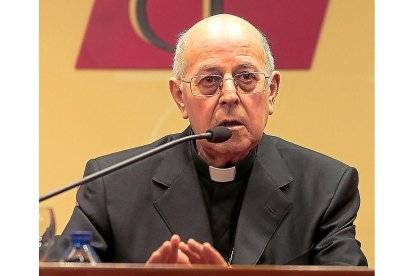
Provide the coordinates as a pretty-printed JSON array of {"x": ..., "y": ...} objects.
[{"x": 141, "y": 34}]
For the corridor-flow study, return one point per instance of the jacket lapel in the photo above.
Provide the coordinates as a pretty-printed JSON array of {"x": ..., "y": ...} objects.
[
  {"x": 264, "y": 205},
  {"x": 181, "y": 206}
]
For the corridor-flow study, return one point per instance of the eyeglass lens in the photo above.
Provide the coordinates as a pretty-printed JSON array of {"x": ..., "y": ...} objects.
[{"x": 244, "y": 83}]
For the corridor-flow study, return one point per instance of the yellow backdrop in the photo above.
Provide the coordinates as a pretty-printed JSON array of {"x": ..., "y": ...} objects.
[{"x": 88, "y": 113}]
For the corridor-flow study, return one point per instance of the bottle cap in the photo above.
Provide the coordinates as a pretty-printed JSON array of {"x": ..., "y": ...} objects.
[{"x": 80, "y": 237}]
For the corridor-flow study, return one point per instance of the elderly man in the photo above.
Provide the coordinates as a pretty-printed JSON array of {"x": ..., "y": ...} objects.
[{"x": 254, "y": 199}]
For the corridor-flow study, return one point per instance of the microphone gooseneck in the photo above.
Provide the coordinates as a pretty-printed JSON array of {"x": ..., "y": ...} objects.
[{"x": 215, "y": 135}]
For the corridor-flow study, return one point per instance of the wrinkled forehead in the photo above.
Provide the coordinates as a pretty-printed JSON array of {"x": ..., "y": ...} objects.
[
  {"x": 223, "y": 26},
  {"x": 223, "y": 31}
]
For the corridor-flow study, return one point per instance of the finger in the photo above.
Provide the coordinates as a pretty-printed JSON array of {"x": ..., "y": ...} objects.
[
  {"x": 161, "y": 254},
  {"x": 193, "y": 257},
  {"x": 183, "y": 258},
  {"x": 174, "y": 242},
  {"x": 154, "y": 258},
  {"x": 165, "y": 251},
  {"x": 212, "y": 256},
  {"x": 195, "y": 246}
]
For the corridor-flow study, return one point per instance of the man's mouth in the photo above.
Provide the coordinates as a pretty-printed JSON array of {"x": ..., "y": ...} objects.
[{"x": 230, "y": 124}]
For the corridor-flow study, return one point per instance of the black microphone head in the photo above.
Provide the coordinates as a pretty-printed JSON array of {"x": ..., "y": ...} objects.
[{"x": 219, "y": 134}]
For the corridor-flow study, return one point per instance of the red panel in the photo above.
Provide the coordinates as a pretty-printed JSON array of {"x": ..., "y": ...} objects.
[
  {"x": 110, "y": 41},
  {"x": 170, "y": 17},
  {"x": 292, "y": 26}
]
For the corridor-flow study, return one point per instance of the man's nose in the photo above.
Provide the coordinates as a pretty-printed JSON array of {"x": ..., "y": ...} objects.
[{"x": 229, "y": 93}]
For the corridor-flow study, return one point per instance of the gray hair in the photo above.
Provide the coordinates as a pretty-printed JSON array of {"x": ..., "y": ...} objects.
[{"x": 178, "y": 68}]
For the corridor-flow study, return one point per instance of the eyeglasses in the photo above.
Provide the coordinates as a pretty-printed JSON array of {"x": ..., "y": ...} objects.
[{"x": 211, "y": 85}]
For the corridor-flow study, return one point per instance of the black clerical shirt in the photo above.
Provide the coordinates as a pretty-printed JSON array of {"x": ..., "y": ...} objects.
[{"x": 223, "y": 200}]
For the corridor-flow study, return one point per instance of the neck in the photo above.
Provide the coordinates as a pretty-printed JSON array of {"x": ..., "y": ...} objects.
[{"x": 219, "y": 159}]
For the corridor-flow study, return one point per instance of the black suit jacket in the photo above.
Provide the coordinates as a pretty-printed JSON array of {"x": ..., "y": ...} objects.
[{"x": 299, "y": 206}]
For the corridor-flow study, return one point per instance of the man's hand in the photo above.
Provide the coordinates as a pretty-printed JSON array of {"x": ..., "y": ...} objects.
[
  {"x": 199, "y": 253},
  {"x": 169, "y": 253},
  {"x": 175, "y": 251}
]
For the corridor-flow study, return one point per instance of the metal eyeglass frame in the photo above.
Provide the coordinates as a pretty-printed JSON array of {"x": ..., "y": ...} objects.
[{"x": 220, "y": 86}]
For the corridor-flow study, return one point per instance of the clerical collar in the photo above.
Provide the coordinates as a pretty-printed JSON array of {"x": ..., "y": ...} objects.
[{"x": 223, "y": 175}]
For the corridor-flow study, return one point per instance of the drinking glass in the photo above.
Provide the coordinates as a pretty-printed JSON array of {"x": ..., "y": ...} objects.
[{"x": 46, "y": 232}]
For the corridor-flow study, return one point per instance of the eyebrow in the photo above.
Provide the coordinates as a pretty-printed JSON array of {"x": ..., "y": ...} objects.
[
  {"x": 246, "y": 66},
  {"x": 210, "y": 68},
  {"x": 218, "y": 68}
]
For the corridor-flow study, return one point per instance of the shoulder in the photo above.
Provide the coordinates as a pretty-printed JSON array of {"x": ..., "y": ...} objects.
[
  {"x": 293, "y": 152},
  {"x": 116, "y": 157},
  {"x": 303, "y": 162}
]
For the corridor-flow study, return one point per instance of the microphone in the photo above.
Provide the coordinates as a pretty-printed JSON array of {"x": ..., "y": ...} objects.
[
  {"x": 219, "y": 134},
  {"x": 216, "y": 134}
]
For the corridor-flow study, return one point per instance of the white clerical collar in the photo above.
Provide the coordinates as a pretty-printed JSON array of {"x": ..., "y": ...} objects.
[{"x": 222, "y": 174}]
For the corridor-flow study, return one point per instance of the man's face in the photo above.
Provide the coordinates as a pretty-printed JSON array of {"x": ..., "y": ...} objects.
[{"x": 231, "y": 50}]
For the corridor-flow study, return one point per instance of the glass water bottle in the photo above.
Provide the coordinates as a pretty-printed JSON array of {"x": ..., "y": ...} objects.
[{"x": 80, "y": 250}]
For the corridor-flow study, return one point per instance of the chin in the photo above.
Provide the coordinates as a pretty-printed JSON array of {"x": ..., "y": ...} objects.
[{"x": 233, "y": 146}]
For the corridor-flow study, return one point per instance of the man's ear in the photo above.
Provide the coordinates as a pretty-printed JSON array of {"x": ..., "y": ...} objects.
[
  {"x": 274, "y": 88},
  {"x": 178, "y": 96}
]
